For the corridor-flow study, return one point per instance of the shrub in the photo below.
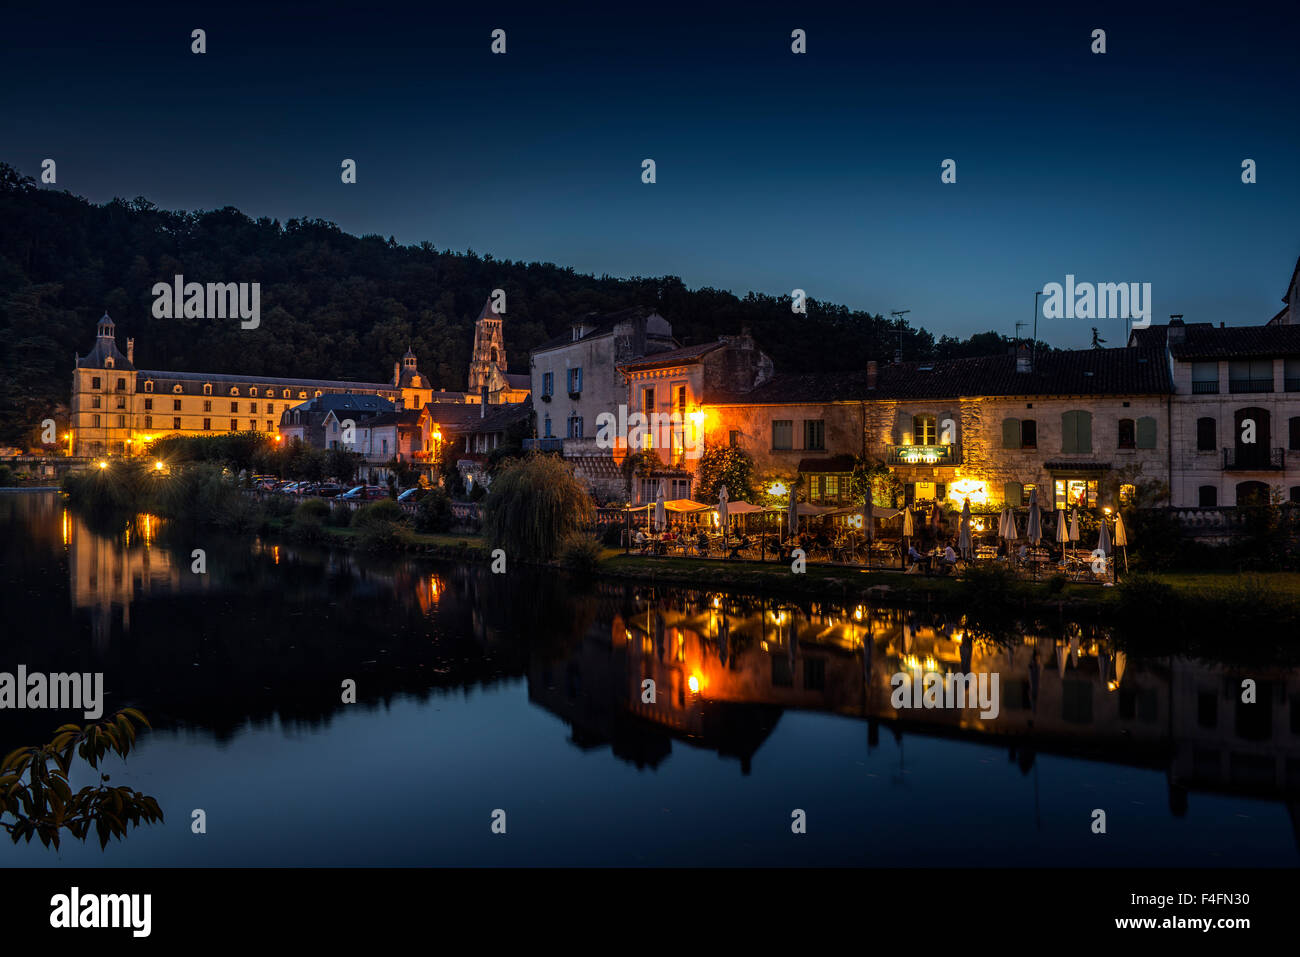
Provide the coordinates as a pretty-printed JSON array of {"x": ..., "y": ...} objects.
[
  {"x": 1145, "y": 599},
  {"x": 340, "y": 516},
  {"x": 580, "y": 553},
  {"x": 1056, "y": 584},
  {"x": 380, "y": 535},
  {"x": 612, "y": 534},
  {"x": 535, "y": 504},
  {"x": 313, "y": 507},
  {"x": 386, "y": 511},
  {"x": 433, "y": 513}
]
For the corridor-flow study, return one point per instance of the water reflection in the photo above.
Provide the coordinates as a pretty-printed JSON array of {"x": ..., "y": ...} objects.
[{"x": 270, "y": 631}]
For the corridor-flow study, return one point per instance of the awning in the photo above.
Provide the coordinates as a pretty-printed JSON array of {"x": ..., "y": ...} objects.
[
  {"x": 686, "y": 505},
  {"x": 742, "y": 508}
]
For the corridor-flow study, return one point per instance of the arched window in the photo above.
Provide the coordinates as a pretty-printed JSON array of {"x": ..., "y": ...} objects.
[
  {"x": 108, "y": 363},
  {"x": 234, "y": 390},
  {"x": 148, "y": 385},
  {"x": 286, "y": 393},
  {"x": 253, "y": 392},
  {"x": 302, "y": 395},
  {"x": 177, "y": 389},
  {"x": 317, "y": 394},
  {"x": 207, "y": 388},
  {"x": 1252, "y": 494}
]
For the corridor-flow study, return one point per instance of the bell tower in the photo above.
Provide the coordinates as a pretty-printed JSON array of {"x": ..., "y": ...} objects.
[{"x": 489, "y": 355}]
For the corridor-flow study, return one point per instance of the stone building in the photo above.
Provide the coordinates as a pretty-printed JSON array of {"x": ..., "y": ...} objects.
[
  {"x": 576, "y": 377},
  {"x": 668, "y": 389},
  {"x": 1236, "y": 411},
  {"x": 488, "y": 379},
  {"x": 990, "y": 429}
]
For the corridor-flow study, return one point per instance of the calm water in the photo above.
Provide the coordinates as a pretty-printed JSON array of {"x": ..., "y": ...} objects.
[{"x": 523, "y": 693}]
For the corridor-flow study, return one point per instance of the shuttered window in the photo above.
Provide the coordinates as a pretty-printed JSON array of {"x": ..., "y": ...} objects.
[
  {"x": 1011, "y": 433},
  {"x": 1076, "y": 431},
  {"x": 1146, "y": 432},
  {"x": 1013, "y": 493}
]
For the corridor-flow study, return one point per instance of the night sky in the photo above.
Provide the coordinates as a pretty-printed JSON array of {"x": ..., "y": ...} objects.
[{"x": 775, "y": 171}]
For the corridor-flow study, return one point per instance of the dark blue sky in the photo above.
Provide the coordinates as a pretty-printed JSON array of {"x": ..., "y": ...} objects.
[{"x": 775, "y": 171}]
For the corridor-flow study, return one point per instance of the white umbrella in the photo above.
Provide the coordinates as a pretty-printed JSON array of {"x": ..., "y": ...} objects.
[
  {"x": 1062, "y": 532},
  {"x": 1121, "y": 537},
  {"x": 908, "y": 531},
  {"x": 868, "y": 525},
  {"x": 722, "y": 515},
  {"x": 963, "y": 537},
  {"x": 1011, "y": 533},
  {"x": 1103, "y": 539},
  {"x": 793, "y": 517},
  {"x": 1074, "y": 530},
  {"x": 1034, "y": 528},
  {"x": 661, "y": 513}
]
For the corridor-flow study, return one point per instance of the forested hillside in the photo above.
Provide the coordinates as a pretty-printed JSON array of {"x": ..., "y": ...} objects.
[{"x": 334, "y": 305}]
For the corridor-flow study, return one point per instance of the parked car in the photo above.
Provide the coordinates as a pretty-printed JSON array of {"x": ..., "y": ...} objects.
[
  {"x": 290, "y": 488},
  {"x": 328, "y": 489},
  {"x": 413, "y": 495},
  {"x": 365, "y": 493}
]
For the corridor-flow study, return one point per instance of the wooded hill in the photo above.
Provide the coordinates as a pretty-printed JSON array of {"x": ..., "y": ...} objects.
[{"x": 338, "y": 306}]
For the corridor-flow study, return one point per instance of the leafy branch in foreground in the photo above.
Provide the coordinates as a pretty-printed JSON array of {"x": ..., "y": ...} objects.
[{"x": 34, "y": 787}]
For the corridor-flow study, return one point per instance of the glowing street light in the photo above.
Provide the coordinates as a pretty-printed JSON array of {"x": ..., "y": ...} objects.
[
  {"x": 103, "y": 464},
  {"x": 158, "y": 466}
]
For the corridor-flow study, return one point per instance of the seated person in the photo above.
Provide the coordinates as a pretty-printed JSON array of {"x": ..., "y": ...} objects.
[
  {"x": 949, "y": 556},
  {"x": 639, "y": 539},
  {"x": 913, "y": 555},
  {"x": 1024, "y": 552}
]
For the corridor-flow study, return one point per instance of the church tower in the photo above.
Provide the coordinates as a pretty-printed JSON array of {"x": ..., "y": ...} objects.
[
  {"x": 417, "y": 390},
  {"x": 489, "y": 356}
]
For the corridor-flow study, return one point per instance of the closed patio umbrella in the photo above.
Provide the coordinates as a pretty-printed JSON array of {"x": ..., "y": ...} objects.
[
  {"x": 1062, "y": 532},
  {"x": 722, "y": 516},
  {"x": 1034, "y": 527},
  {"x": 1074, "y": 532},
  {"x": 661, "y": 512},
  {"x": 908, "y": 532},
  {"x": 963, "y": 537},
  {"x": 793, "y": 516},
  {"x": 868, "y": 526},
  {"x": 1121, "y": 537},
  {"x": 1011, "y": 533},
  {"x": 1103, "y": 539}
]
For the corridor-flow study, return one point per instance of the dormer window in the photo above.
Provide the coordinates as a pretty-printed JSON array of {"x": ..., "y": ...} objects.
[
  {"x": 253, "y": 392},
  {"x": 317, "y": 395},
  {"x": 286, "y": 393},
  {"x": 234, "y": 391},
  {"x": 302, "y": 395},
  {"x": 177, "y": 389},
  {"x": 108, "y": 363},
  {"x": 148, "y": 385},
  {"x": 577, "y": 333},
  {"x": 207, "y": 388}
]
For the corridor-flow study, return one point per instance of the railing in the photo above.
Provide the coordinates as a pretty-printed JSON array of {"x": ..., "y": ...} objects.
[
  {"x": 1205, "y": 388},
  {"x": 923, "y": 454},
  {"x": 1253, "y": 460},
  {"x": 1250, "y": 385},
  {"x": 543, "y": 445},
  {"x": 1291, "y": 384}
]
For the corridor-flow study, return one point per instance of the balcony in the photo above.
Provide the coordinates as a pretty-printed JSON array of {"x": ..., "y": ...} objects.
[
  {"x": 543, "y": 445},
  {"x": 1253, "y": 460},
  {"x": 1206, "y": 388},
  {"x": 1291, "y": 383},
  {"x": 1250, "y": 385},
  {"x": 930, "y": 455}
]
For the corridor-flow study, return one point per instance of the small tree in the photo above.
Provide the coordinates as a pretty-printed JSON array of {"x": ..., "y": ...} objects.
[
  {"x": 727, "y": 466},
  {"x": 534, "y": 506},
  {"x": 34, "y": 787}
]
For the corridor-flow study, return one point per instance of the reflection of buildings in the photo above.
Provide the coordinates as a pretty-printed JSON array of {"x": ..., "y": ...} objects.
[
  {"x": 725, "y": 671},
  {"x": 108, "y": 571}
]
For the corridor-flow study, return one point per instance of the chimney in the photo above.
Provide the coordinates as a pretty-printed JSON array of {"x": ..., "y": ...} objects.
[
  {"x": 130, "y": 351},
  {"x": 872, "y": 371},
  {"x": 1023, "y": 361},
  {"x": 1177, "y": 330}
]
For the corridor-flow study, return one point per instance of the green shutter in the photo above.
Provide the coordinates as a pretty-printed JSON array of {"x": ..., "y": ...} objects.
[
  {"x": 1146, "y": 432},
  {"x": 1013, "y": 493},
  {"x": 1011, "y": 433},
  {"x": 1085, "y": 431},
  {"x": 1069, "y": 432}
]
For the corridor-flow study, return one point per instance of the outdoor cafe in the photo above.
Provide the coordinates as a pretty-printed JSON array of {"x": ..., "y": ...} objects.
[{"x": 920, "y": 540}]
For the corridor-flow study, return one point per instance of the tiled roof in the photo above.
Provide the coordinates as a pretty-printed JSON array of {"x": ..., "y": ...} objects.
[
  {"x": 599, "y": 325},
  {"x": 406, "y": 417},
  {"x": 1131, "y": 371},
  {"x": 1203, "y": 340},
  {"x": 519, "y": 380},
  {"x": 201, "y": 377},
  {"x": 672, "y": 356}
]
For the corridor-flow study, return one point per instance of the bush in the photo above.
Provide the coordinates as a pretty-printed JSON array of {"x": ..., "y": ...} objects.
[
  {"x": 1145, "y": 599},
  {"x": 313, "y": 507},
  {"x": 611, "y": 535},
  {"x": 1056, "y": 584},
  {"x": 380, "y": 535},
  {"x": 340, "y": 516},
  {"x": 386, "y": 511},
  {"x": 433, "y": 513},
  {"x": 6, "y": 475},
  {"x": 580, "y": 553}
]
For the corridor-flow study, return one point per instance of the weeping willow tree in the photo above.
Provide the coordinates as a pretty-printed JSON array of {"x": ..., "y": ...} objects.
[{"x": 534, "y": 505}]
